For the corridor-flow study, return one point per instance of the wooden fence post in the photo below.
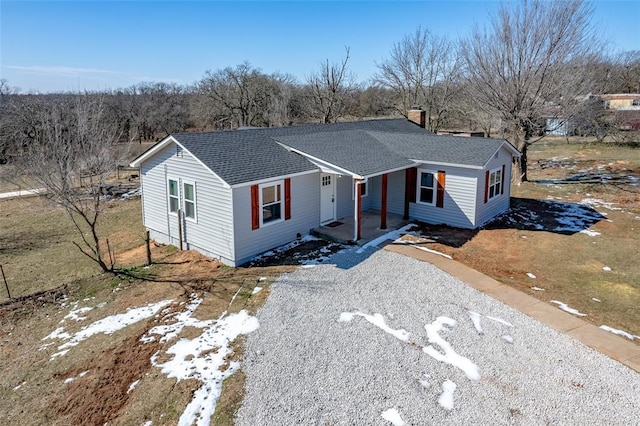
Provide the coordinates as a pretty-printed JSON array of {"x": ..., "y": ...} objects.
[
  {"x": 147, "y": 241},
  {"x": 5, "y": 282},
  {"x": 180, "y": 227}
]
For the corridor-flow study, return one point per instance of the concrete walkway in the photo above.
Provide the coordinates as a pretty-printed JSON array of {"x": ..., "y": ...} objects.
[
  {"x": 22, "y": 193},
  {"x": 615, "y": 347}
]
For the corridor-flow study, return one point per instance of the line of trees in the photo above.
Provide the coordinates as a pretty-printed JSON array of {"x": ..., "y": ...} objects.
[{"x": 533, "y": 59}]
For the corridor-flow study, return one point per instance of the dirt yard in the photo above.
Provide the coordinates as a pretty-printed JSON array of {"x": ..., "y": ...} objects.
[{"x": 573, "y": 235}]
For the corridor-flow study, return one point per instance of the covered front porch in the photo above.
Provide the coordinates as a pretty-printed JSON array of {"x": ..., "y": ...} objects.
[{"x": 341, "y": 231}]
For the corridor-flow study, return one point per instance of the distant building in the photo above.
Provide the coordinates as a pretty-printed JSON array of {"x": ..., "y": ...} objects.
[{"x": 621, "y": 101}]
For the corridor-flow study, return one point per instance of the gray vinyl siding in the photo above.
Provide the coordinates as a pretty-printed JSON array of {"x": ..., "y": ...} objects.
[
  {"x": 500, "y": 203},
  {"x": 344, "y": 197},
  {"x": 305, "y": 215},
  {"x": 395, "y": 192},
  {"x": 459, "y": 198},
  {"x": 212, "y": 232}
]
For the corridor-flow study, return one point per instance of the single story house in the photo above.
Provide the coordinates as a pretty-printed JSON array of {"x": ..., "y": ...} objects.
[{"x": 234, "y": 194}]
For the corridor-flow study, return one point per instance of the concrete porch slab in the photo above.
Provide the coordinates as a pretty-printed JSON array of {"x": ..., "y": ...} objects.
[{"x": 369, "y": 228}]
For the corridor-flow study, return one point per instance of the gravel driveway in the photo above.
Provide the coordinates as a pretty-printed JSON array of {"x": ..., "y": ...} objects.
[{"x": 310, "y": 363}]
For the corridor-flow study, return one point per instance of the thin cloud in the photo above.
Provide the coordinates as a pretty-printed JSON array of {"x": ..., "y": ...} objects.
[{"x": 61, "y": 71}]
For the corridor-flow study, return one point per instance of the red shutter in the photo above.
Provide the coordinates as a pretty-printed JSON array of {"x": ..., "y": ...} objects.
[
  {"x": 440, "y": 189},
  {"x": 502, "y": 184},
  {"x": 412, "y": 176},
  {"x": 255, "y": 207},
  {"x": 409, "y": 189},
  {"x": 287, "y": 199},
  {"x": 486, "y": 187}
]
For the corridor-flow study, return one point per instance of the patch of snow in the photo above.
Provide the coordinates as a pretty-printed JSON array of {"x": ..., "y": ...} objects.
[
  {"x": 530, "y": 275},
  {"x": 108, "y": 325},
  {"x": 19, "y": 386},
  {"x": 501, "y": 321},
  {"x": 73, "y": 314},
  {"x": 446, "y": 397},
  {"x": 84, "y": 373},
  {"x": 566, "y": 308},
  {"x": 68, "y": 380},
  {"x": 346, "y": 317},
  {"x": 450, "y": 356},
  {"x": 393, "y": 235},
  {"x": 507, "y": 338},
  {"x": 58, "y": 333},
  {"x": 424, "y": 382},
  {"x": 590, "y": 232},
  {"x": 619, "y": 332},
  {"x": 132, "y": 386},
  {"x": 170, "y": 331},
  {"x": 256, "y": 289},
  {"x": 537, "y": 289},
  {"x": 596, "y": 300},
  {"x": 432, "y": 251},
  {"x": 148, "y": 423},
  {"x": 392, "y": 415},
  {"x": 475, "y": 318},
  {"x": 378, "y": 321},
  {"x": 606, "y": 269},
  {"x": 596, "y": 202},
  {"x": 202, "y": 357},
  {"x": 262, "y": 279}
]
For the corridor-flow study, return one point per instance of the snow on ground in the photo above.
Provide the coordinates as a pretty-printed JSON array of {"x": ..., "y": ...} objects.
[
  {"x": 378, "y": 321},
  {"x": 530, "y": 275},
  {"x": 606, "y": 268},
  {"x": 446, "y": 398},
  {"x": 255, "y": 290},
  {"x": 108, "y": 325},
  {"x": 475, "y": 318},
  {"x": 619, "y": 332},
  {"x": 595, "y": 299},
  {"x": 201, "y": 358},
  {"x": 566, "y": 308},
  {"x": 132, "y": 386},
  {"x": 450, "y": 356},
  {"x": 393, "y": 235},
  {"x": 393, "y": 416},
  {"x": 537, "y": 289},
  {"x": 596, "y": 202},
  {"x": 500, "y": 320}
]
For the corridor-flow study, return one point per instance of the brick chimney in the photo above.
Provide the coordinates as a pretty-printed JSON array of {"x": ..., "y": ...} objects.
[{"x": 418, "y": 116}]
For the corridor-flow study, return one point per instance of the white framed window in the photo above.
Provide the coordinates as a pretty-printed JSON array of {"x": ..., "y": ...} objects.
[
  {"x": 426, "y": 187},
  {"x": 173, "y": 192},
  {"x": 326, "y": 180},
  {"x": 189, "y": 200},
  {"x": 271, "y": 202},
  {"x": 495, "y": 183},
  {"x": 364, "y": 190}
]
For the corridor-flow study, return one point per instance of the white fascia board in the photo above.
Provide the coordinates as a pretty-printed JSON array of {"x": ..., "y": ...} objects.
[
  {"x": 163, "y": 144},
  {"x": 322, "y": 164},
  {"x": 272, "y": 179},
  {"x": 152, "y": 151},
  {"x": 397, "y": 169},
  {"x": 437, "y": 163}
]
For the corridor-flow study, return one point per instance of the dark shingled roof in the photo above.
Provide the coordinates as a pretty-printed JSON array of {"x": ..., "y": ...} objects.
[{"x": 362, "y": 147}]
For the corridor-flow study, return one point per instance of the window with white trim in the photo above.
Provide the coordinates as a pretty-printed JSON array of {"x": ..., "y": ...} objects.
[
  {"x": 363, "y": 190},
  {"x": 174, "y": 196},
  {"x": 495, "y": 183},
  {"x": 189, "y": 200},
  {"x": 426, "y": 187},
  {"x": 271, "y": 202}
]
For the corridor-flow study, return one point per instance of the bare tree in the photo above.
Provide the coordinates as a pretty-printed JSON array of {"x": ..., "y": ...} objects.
[
  {"x": 423, "y": 69},
  {"x": 529, "y": 62},
  {"x": 625, "y": 72},
  {"x": 329, "y": 89},
  {"x": 70, "y": 152}
]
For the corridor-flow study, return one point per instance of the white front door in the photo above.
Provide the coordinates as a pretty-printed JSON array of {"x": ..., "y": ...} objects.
[{"x": 327, "y": 197}]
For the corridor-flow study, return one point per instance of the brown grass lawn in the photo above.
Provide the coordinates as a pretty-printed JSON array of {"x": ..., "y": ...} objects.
[
  {"x": 37, "y": 254},
  {"x": 568, "y": 267}
]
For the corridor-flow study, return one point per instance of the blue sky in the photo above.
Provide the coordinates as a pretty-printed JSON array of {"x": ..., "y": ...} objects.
[{"x": 76, "y": 45}]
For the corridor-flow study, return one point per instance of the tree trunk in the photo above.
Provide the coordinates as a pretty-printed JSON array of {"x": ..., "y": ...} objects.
[{"x": 520, "y": 164}]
